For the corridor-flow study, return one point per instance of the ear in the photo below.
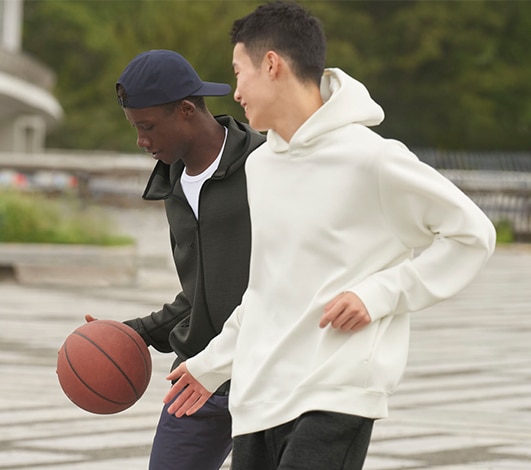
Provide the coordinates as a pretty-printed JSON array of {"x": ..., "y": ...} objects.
[
  {"x": 187, "y": 108},
  {"x": 272, "y": 62}
]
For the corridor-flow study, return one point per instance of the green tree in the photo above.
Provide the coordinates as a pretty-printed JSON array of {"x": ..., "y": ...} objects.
[
  {"x": 449, "y": 74},
  {"x": 459, "y": 75},
  {"x": 88, "y": 44}
]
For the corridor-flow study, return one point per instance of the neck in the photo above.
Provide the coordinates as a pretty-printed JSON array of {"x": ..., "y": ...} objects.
[
  {"x": 299, "y": 104},
  {"x": 205, "y": 148}
]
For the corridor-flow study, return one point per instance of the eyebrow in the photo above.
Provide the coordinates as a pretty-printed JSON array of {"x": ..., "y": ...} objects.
[{"x": 141, "y": 123}]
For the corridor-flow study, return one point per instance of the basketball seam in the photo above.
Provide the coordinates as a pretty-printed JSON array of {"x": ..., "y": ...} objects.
[
  {"x": 146, "y": 365},
  {"x": 113, "y": 361},
  {"x": 86, "y": 384}
]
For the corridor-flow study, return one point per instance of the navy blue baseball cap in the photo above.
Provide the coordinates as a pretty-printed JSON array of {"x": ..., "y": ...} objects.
[{"x": 160, "y": 76}]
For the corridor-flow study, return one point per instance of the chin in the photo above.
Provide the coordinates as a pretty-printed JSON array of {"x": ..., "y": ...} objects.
[{"x": 257, "y": 126}]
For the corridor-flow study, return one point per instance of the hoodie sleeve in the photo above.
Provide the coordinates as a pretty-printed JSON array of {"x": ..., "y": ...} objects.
[
  {"x": 155, "y": 328},
  {"x": 424, "y": 209},
  {"x": 213, "y": 366}
]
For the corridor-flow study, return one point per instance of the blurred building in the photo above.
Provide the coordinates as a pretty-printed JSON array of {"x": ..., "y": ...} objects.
[{"x": 28, "y": 109}]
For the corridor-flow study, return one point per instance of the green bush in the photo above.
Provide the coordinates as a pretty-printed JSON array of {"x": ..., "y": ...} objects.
[
  {"x": 34, "y": 218},
  {"x": 504, "y": 231}
]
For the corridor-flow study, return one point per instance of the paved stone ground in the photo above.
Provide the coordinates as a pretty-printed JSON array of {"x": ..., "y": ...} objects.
[{"x": 465, "y": 403}]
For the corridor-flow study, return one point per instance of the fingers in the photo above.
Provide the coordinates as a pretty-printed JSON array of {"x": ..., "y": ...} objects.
[
  {"x": 333, "y": 310},
  {"x": 188, "y": 394},
  {"x": 178, "y": 372},
  {"x": 179, "y": 385},
  {"x": 188, "y": 402},
  {"x": 89, "y": 318},
  {"x": 345, "y": 312},
  {"x": 347, "y": 323}
]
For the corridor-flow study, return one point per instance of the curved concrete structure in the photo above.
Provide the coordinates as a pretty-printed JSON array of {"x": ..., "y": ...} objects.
[
  {"x": 20, "y": 97},
  {"x": 28, "y": 109}
]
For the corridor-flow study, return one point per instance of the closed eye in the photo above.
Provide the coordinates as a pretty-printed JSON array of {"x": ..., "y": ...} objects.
[{"x": 144, "y": 127}]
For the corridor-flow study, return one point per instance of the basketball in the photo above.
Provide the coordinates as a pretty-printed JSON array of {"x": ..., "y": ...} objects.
[{"x": 104, "y": 366}]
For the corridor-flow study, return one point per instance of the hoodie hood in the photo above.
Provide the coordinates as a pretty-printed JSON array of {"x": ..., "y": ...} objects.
[
  {"x": 346, "y": 101},
  {"x": 241, "y": 141}
]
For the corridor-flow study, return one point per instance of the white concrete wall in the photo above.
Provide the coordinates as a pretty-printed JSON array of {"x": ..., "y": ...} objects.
[{"x": 11, "y": 25}]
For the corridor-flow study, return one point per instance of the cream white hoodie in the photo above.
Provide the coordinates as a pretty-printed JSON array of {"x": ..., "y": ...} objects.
[{"x": 338, "y": 208}]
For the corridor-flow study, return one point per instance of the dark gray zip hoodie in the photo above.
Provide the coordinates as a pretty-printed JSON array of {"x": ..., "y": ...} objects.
[{"x": 211, "y": 254}]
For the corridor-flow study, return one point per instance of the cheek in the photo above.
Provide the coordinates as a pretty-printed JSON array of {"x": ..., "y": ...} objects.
[
  {"x": 240, "y": 86},
  {"x": 247, "y": 83}
]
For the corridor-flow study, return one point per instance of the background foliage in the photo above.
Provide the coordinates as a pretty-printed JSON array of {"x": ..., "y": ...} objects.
[
  {"x": 449, "y": 74},
  {"x": 32, "y": 218}
]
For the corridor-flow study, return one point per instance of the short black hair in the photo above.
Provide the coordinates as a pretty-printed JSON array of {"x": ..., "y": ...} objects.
[
  {"x": 289, "y": 30},
  {"x": 198, "y": 101}
]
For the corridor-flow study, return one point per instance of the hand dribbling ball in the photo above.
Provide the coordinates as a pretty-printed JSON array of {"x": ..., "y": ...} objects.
[{"x": 104, "y": 366}]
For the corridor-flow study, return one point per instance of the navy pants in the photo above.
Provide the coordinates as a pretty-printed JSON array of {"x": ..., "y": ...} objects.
[
  {"x": 318, "y": 440},
  {"x": 198, "y": 442}
]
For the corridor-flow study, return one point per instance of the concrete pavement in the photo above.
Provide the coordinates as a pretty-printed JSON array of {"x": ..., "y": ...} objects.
[{"x": 464, "y": 404}]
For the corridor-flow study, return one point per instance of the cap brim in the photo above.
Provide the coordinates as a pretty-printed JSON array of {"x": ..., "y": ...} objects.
[{"x": 213, "y": 89}]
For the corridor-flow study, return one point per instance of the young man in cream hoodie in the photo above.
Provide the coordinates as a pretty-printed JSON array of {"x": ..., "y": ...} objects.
[{"x": 320, "y": 339}]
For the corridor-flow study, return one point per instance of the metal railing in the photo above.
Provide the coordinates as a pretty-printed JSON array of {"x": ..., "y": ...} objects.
[
  {"x": 499, "y": 183},
  {"x": 95, "y": 173}
]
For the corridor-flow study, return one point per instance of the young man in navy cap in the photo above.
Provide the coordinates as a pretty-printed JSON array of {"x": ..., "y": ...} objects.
[{"x": 200, "y": 176}]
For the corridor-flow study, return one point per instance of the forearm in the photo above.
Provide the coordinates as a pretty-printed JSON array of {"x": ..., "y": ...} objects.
[
  {"x": 156, "y": 327},
  {"x": 456, "y": 236},
  {"x": 213, "y": 366}
]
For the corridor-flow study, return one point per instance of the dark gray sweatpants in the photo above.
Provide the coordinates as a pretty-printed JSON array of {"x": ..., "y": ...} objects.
[{"x": 318, "y": 440}]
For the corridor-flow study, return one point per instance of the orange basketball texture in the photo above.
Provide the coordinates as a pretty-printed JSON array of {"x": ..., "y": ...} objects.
[{"x": 104, "y": 366}]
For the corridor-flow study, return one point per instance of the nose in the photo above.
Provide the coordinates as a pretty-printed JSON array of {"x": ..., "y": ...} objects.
[
  {"x": 237, "y": 97},
  {"x": 142, "y": 141}
]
